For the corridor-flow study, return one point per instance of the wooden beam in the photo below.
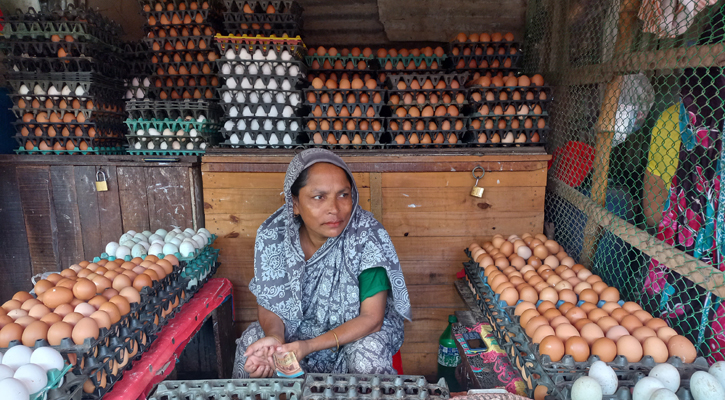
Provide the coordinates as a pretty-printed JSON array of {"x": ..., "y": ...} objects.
[
  {"x": 699, "y": 272},
  {"x": 376, "y": 195}
]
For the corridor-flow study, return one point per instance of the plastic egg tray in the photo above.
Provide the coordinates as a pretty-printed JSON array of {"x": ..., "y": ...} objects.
[
  {"x": 263, "y": 24},
  {"x": 281, "y": 7},
  {"x": 199, "y": 270},
  {"x": 508, "y": 91},
  {"x": 428, "y": 95},
  {"x": 435, "y": 78},
  {"x": 147, "y": 109},
  {"x": 259, "y": 139},
  {"x": 241, "y": 68},
  {"x": 259, "y": 82},
  {"x": 261, "y": 48},
  {"x": 357, "y": 386},
  {"x": 242, "y": 389},
  {"x": 458, "y": 49},
  {"x": 340, "y": 63},
  {"x": 417, "y": 64},
  {"x": 235, "y": 102}
]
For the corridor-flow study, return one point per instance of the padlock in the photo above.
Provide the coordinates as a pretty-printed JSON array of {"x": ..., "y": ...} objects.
[
  {"x": 477, "y": 191},
  {"x": 101, "y": 183}
]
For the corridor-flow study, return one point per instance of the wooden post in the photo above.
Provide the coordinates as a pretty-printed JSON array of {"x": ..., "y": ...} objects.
[{"x": 605, "y": 128}]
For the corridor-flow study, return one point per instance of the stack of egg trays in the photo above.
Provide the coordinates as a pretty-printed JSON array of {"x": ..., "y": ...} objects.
[
  {"x": 245, "y": 17},
  {"x": 44, "y": 57},
  {"x": 359, "y": 386},
  {"x": 525, "y": 355},
  {"x": 406, "y": 64},
  {"x": 477, "y": 125},
  {"x": 71, "y": 389},
  {"x": 102, "y": 131},
  {"x": 242, "y": 389},
  {"x": 162, "y": 308},
  {"x": 463, "y": 55},
  {"x": 415, "y": 137},
  {"x": 178, "y": 115},
  {"x": 139, "y": 70}
]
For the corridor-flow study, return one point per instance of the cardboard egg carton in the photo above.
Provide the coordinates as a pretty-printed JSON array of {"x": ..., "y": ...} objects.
[
  {"x": 358, "y": 386},
  {"x": 289, "y": 389},
  {"x": 263, "y": 139}
]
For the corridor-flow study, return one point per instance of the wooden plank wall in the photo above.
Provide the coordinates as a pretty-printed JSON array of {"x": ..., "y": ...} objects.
[
  {"x": 425, "y": 205},
  {"x": 53, "y": 217}
]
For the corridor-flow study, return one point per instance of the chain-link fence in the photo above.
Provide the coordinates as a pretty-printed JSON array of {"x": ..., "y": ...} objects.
[{"x": 637, "y": 121}]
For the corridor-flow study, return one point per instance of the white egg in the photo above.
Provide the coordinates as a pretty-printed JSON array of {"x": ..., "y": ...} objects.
[
  {"x": 190, "y": 232},
  {"x": 229, "y": 125},
  {"x": 246, "y": 83},
  {"x": 227, "y": 97},
  {"x": 234, "y": 139},
  {"x": 167, "y": 132},
  {"x": 128, "y": 95},
  {"x": 135, "y": 82},
  {"x": 269, "y": 125},
  {"x": 176, "y": 145},
  {"x": 524, "y": 252},
  {"x": 280, "y": 97},
  {"x": 80, "y": 91},
  {"x": 704, "y": 386},
  {"x": 586, "y": 388},
  {"x": 138, "y": 250},
  {"x": 229, "y": 54},
  {"x": 163, "y": 146},
  {"x": 204, "y": 230},
  {"x": 169, "y": 236},
  {"x": 605, "y": 376},
  {"x": 281, "y": 125},
  {"x": 266, "y": 69},
  {"x": 226, "y": 68},
  {"x": 140, "y": 94},
  {"x": 280, "y": 70},
  {"x": 13, "y": 389},
  {"x": 145, "y": 244},
  {"x": 254, "y": 97},
  {"x": 176, "y": 230},
  {"x": 242, "y": 125},
  {"x": 140, "y": 236},
  {"x": 253, "y": 69},
  {"x": 258, "y": 55},
  {"x": 170, "y": 248},
  {"x": 187, "y": 249},
  {"x": 240, "y": 97},
  {"x": 285, "y": 55},
  {"x": 199, "y": 240},
  {"x": 52, "y": 91},
  {"x": 190, "y": 146},
  {"x": 32, "y": 376},
  {"x": 272, "y": 54},
  {"x": 127, "y": 243},
  {"x": 193, "y": 132},
  {"x": 645, "y": 387},
  {"x": 247, "y": 139},
  {"x": 17, "y": 356},
  {"x": 231, "y": 83},
  {"x": 233, "y": 112},
  {"x": 47, "y": 358},
  {"x": 286, "y": 85},
  {"x": 154, "y": 132},
  {"x": 201, "y": 118},
  {"x": 254, "y": 125},
  {"x": 287, "y": 139},
  {"x": 261, "y": 140},
  {"x": 247, "y": 112},
  {"x": 294, "y": 70},
  {"x": 667, "y": 374},
  {"x": 122, "y": 252},
  {"x": 38, "y": 90},
  {"x": 137, "y": 145},
  {"x": 294, "y": 99},
  {"x": 111, "y": 247},
  {"x": 273, "y": 112},
  {"x": 244, "y": 54},
  {"x": 146, "y": 82},
  {"x": 294, "y": 126},
  {"x": 718, "y": 371},
  {"x": 663, "y": 394},
  {"x": 65, "y": 91},
  {"x": 287, "y": 112},
  {"x": 259, "y": 84},
  {"x": 272, "y": 84},
  {"x": 239, "y": 69},
  {"x": 140, "y": 132},
  {"x": 261, "y": 113},
  {"x": 156, "y": 248},
  {"x": 6, "y": 372},
  {"x": 273, "y": 139},
  {"x": 266, "y": 97},
  {"x": 23, "y": 89}
]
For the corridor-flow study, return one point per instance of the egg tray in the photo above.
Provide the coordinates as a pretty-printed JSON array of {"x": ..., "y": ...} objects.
[
  {"x": 496, "y": 119},
  {"x": 69, "y": 145},
  {"x": 90, "y": 26},
  {"x": 518, "y": 106},
  {"x": 208, "y": 126},
  {"x": 253, "y": 68},
  {"x": 412, "y": 63},
  {"x": 452, "y": 45},
  {"x": 233, "y": 100},
  {"x": 333, "y": 110},
  {"x": 407, "y": 137},
  {"x": 270, "y": 82},
  {"x": 103, "y": 129},
  {"x": 497, "y": 90},
  {"x": 111, "y": 69},
  {"x": 173, "y": 109},
  {"x": 196, "y": 55},
  {"x": 327, "y": 62},
  {"x": 271, "y": 48},
  {"x": 89, "y": 150},
  {"x": 260, "y": 108},
  {"x": 426, "y": 121},
  {"x": 378, "y": 137},
  {"x": 160, "y": 310},
  {"x": 508, "y": 329},
  {"x": 180, "y": 93},
  {"x": 263, "y": 139},
  {"x": 427, "y": 93},
  {"x": 284, "y": 21},
  {"x": 246, "y": 124},
  {"x": 181, "y": 68},
  {"x": 356, "y": 93},
  {"x": 199, "y": 275},
  {"x": 473, "y": 137},
  {"x": 239, "y": 29},
  {"x": 91, "y": 84},
  {"x": 393, "y": 79},
  {"x": 88, "y": 113},
  {"x": 262, "y": 389},
  {"x": 260, "y": 6},
  {"x": 169, "y": 81},
  {"x": 486, "y": 61},
  {"x": 71, "y": 389},
  {"x": 181, "y": 43},
  {"x": 44, "y": 48},
  {"x": 212, "y": 4},
  {"x": 176, "y": 18},
  {"x": 166, "y": 145},
  {"x": 357, "y": 121},
  {"x": 359, "y": 386},
  {"x": 460, "y": 108}
]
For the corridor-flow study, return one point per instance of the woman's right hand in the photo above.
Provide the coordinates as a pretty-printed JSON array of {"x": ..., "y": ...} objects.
[{"x": 259, "y": 357}]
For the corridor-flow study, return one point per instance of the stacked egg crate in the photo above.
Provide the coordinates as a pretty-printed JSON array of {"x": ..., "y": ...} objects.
[
  {"x": 427, "y": 109},
  {"x": 260, "y": 92},
  {"x": 494, "y": 54},
  {"x": 426, "y": 59},
  {"x": 346, "y": 99},
  {"x": 65, "y": 68},
  {"x": 513, "y": 111},
  {"x": 175, "y": 110},
  {"x": 281, "y": 19}
]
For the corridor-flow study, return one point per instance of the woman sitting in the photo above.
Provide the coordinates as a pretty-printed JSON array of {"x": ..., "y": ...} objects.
[{"x": 327, "y": 279}]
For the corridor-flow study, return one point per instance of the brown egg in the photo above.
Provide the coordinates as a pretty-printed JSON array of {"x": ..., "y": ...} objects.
[
  {"x": 563, "y": 285},
  {"x": 592, "y": 279},
  {"x": 84, "y": 329},
  {"x": 59, "y": 331},
  {"x": 523, "y": 306},
  {"x": 9, "y": 333},
  {"x": 589, "y": 295},
  {"x": 25, "y": 321},
  {"x": 112, "y": 310},
  {"x": 142, "y": 281},
  {"x": 565, "y": 307},
  {"x": 12, "y": 305},
  {"x": 84, "y": 289},
  {"x": 578, "y": 348},
  {"x": 37, "y": 330},
  {"x": 4, "y": 320},
  {"x": 534, "y": 324},
  {"x": 666, "y": 333},
  {"x": 30, "y": 303},
  {"x": 643, "y": 332},
  {"x": 102, "y": 319},
  {"x": 616, "y": 332},
  {"x": 72, "y": 318},
  {"x": 568, "y": 295},
  {"x": 643, "y": 316},
  {"x": 680, "y": 346},
  {"x": 565, "y": 331},
  {"x": 631, "y": 323},
  {"x": 631, "y": 307},
  {"x": 619, "y": 314},
  {"x": 38, "y": 311},
  {"x": 591, "y": 332},
  {"x": 560, "y": 320},
  {"x": 527, "y": 316},
  {"x": 655, "y": 324},
  {"x": 610, "y": 307},
  {"x": 575, "y": 314},
  {"x": 541, "y": 333},
  {"x": 655, "y": 348},
  {"x": 597, "y": 314},
  {"x": 102, "y": 283},
  {"x": 549, "y": 294},
  {"x": 57, "y": 296},
  {"x": 610, "y": 294},
  {"x": 551, "y": 314},
  {"x": 629, "y": 347},
  {"x": 510, "y": 296},
  {"x": 607, "y": 323},
  {"x": 121, "y": 281},
  {"x": 124, "y": 307},
  {"x": 51, "y": 318},
  {"x": 553, "y": 347},
  {"x": 109, "y": 293},
  {"x": 22, "y": 296},
  {"x": 97, "y": 301},
  {"x": 605, "y": 349}
]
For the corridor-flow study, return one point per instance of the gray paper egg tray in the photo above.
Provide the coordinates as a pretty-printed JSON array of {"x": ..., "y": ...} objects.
[
  {"x": 241, "y": 389},
  {"x": 357, "y": 386}
]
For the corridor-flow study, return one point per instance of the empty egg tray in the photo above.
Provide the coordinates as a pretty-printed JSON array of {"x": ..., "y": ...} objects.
[
  {"x": 173, "y": 109},
  {"x": 242, "y": 389},
  {"x": 357, "y": 386}
]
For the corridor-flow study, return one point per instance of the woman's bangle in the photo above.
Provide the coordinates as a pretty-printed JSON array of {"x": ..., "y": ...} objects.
[
  {"x": 274, "y": 336},
  {"x": 336, "y": 341}
]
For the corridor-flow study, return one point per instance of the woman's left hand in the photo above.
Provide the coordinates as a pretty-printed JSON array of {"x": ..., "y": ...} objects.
[{"x": 300, "y": 348}]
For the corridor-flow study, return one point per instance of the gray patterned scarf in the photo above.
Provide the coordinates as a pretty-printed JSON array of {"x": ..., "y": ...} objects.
[{"x": 321, "y": 293}]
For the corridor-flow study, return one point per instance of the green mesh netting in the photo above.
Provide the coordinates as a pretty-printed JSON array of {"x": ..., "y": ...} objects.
[{"x": 637, "y": 119}]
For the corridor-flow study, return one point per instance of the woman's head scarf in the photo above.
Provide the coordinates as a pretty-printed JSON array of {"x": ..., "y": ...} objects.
[{"x": 280, "y": 266}]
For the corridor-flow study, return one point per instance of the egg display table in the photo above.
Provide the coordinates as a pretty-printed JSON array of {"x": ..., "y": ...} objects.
[{"x": 158, "y": 362}]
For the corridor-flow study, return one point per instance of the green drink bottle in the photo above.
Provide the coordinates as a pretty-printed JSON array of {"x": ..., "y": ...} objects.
[{"x": 448, "y": 357}]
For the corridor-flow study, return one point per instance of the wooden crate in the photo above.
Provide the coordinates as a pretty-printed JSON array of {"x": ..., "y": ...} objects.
[
  {"x": 421, "y": 198},
  {"x": 52, "y": 216}
]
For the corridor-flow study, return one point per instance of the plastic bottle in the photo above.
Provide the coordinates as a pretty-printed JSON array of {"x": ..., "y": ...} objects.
[{"x": 448, "y": 357}]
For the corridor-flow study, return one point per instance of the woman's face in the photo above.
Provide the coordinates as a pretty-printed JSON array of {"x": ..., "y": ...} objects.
[{"x": 325, "y": 203}]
